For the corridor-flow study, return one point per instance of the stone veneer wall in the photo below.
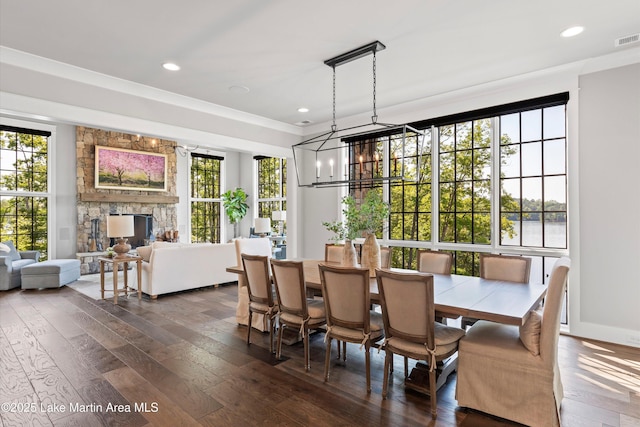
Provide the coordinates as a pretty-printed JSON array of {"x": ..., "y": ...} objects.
[{"x": 164, "y": 214}]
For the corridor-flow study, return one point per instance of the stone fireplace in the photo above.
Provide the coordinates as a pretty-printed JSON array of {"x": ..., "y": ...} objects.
[{"x": 96, "y": 204}]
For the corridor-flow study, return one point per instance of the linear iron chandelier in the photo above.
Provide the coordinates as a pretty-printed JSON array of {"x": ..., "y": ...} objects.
[{"x": 351, "y": 156}]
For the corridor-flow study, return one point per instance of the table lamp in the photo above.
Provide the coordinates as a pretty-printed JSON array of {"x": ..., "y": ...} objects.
[
  {"x": 120, "y": 227},
  {"x": 281, "y": 217},
  {"x": 262, "y": 226}
]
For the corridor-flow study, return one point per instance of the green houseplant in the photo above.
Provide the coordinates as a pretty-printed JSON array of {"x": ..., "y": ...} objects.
[
  {"x": 235, "y": 206},
  {"x": 368, "y": 217}
]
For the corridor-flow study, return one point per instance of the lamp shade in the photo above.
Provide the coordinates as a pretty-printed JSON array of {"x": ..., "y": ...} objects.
[
  {"x": 120, "y": 226},
  {"x": 262, "y": 225},
  {"x": 279, "y": 215}
]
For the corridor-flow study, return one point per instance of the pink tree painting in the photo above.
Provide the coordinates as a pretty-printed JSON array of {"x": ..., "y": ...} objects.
[{"x": 118, "y": 168}]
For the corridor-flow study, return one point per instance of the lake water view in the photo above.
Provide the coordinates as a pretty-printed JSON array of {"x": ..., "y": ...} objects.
[{"x": 555, "y": 234}]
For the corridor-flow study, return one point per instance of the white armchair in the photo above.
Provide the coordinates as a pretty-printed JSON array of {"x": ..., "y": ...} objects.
[{"x": 11, "y": 263}]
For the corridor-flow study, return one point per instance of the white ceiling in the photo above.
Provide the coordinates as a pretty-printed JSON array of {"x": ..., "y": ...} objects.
[{"x": 277, "y": 48}]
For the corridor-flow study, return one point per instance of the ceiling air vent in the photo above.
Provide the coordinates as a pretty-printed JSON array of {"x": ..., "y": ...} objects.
[{"x": 627, "y": 40}]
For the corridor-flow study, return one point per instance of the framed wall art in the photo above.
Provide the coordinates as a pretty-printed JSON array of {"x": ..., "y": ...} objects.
[{"x": 121, "y": 169}]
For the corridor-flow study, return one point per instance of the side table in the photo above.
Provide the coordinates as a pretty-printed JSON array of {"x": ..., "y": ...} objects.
[{"x": 125, "y": 261}]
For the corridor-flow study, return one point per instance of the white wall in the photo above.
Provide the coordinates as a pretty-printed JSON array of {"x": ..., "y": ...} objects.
[{"x": 609, "y": 293}]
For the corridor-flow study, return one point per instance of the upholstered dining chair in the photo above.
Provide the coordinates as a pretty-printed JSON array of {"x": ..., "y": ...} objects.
[
  {"x": 435, "y": 262},
  {"x": 510, "y": 268},
  {"x": 261, "y": 246},
  {"x": 333, "y": 252},
  {"x": 409, "y": 322},
  {"x": 512, "y": 372},
  {"x": 261, "y": 301},
  {"x": 346, "y": 300},
  {"x": 295, "y": 309},
  {"x": 385, "y": 257}
]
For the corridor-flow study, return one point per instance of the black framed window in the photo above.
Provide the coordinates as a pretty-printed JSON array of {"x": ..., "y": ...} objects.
[
  {"x": 205, "y": 198},
  {"x": 24, "y": 188},
  {"x": 271, "y": 185}
]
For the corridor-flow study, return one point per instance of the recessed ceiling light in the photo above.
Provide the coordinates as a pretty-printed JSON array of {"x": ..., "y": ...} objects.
[
  {"x": 572, "y": 31},
  {"x": 238, "y": 89},
  {"x": 170, "y": 66},
  {"x": 303, "y": 110}
]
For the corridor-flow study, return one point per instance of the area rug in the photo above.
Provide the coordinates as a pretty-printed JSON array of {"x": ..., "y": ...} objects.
[{"x": 89, "y": 285}]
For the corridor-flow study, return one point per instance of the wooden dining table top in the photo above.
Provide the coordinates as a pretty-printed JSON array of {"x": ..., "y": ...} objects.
[{"x": 457, "y": 295}]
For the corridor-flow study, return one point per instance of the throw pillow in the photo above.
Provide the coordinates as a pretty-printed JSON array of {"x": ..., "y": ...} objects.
[
  {"x": 4, "y": 248},
  {"x": 530, "y": 333},
  {"x": 12, "y": 253},
  {"x": 144, "y": 252}
]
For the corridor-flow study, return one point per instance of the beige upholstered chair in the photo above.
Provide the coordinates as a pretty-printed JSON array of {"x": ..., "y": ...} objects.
[
  {"x": 385, "y": 257},
  {"x": 434, "y": 262},
  {"x": 261, "y": 301},
  {"x": 409, "y": 322},
  {"x": 499, "y": 375},
  {"x": 509, "y": 268},
  {"x": 346, "y": 299},
  {"x": 262, "y": 247},
  {"x": 333, "y": 252},
  {"x": 295, "y": 310}
]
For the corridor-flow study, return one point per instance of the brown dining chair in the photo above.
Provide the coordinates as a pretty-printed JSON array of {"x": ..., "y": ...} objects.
[
  {"x": 258, "y": 278},
  {"x": 508, "y": 268},
  {"x": 261, "y": 246},
  {"x": 333, "y": 252},
  {"x": 346, "y": 296},
  {"x": 435, "y": 262},
  {"x": 512, "y": 372},
  {"x": 408, "y": 313},
  {"x": 296, "y": 310}
]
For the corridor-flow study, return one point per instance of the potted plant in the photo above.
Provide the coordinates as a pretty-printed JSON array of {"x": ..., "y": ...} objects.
[
  {"x": 235, "y": 206},
  {"x": 372, "y": 213},
  {"x": 346, "y": 231},
  {"x": 368, "y": 217}
]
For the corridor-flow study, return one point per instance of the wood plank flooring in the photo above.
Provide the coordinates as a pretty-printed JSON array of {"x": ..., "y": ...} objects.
[{"x": 69, "y": 360}]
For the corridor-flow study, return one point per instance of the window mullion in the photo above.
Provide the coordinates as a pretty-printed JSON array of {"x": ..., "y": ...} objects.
[{"x": 495, "y": 182}]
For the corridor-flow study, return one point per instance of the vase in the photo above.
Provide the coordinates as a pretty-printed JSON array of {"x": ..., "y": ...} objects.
[
  {"x": 349, "y": 258},
  {"x": 371, "y": 254}
]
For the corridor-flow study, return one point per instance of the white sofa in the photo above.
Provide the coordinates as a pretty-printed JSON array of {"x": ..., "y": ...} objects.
[{"x": 174, "y": 267}]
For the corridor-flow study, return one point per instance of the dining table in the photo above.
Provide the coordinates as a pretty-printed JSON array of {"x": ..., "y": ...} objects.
[{"x": 454, "y": 296}]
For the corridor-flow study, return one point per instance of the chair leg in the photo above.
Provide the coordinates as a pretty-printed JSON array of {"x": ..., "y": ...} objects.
[
  {"x": 305, "y": 340},
  {"x": 271, "y": 329},
  {"x": 388, "y": 369},
  {"x": 432, "y": 392},
  {"x": 338, "y": 346},
  {"x": 367, "y": 363},
  {"x": 249, "y": 328},
  {"x": 279, "y": 345},
  {"x": 344, "y": 351},
  {"x": 406, "y": 367},
  {"x": 327, "y": 359}
]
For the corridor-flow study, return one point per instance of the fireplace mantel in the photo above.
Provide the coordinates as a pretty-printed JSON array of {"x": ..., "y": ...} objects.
[{"x": 127, "y": 198}]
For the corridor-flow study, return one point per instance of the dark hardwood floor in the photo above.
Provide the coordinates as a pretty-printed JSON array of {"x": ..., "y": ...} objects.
[{"x": 68, "y": 360}]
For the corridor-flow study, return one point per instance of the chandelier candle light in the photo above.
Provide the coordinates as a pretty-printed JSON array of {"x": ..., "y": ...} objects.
[
  {"x": 120, "y": 227},
  {"x": 361, "y": 166}
]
